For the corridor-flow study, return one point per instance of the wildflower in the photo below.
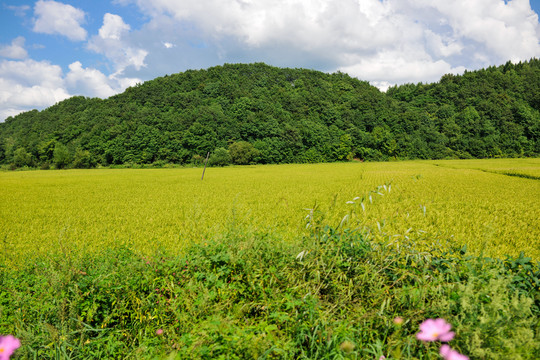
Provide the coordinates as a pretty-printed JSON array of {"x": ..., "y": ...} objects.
[
  {"x": 8, "y": 344},
  {"x": 398, "y": 320},
  {"x": 435, "y": 329},
  {"x": 382, "y": 357},
  {"x": 159, "y": 331},
  {"x": 449, "y": 354}
]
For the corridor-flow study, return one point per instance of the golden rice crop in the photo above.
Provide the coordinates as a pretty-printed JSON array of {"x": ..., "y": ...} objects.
[
  {"x": 461, "y": 202},
  {"x": 512, "y": 167}
]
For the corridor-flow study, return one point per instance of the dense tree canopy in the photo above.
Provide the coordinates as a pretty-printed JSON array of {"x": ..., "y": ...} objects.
[{"x": 262, "y": 114}]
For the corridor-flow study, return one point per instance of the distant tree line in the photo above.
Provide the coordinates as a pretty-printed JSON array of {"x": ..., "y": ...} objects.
[{"x": 255, "y": 113}]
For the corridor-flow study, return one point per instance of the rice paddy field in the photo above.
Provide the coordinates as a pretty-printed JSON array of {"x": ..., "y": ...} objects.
[{"x": 491, "y": 206}]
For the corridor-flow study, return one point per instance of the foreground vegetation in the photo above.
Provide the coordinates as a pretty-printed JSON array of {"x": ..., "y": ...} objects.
[
  {"x": 336, "y": 293},
  {"x": 261, "y": 114}
]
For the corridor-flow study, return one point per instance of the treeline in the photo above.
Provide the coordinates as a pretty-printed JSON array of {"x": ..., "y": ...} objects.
[{"x": 255, "y": 113}]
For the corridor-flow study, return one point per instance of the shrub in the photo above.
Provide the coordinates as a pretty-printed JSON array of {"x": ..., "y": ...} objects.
[
  {"x": 83, "y": 159},
  {"x": 243, "y": 153},
  {"x": 220, "y": 157},
  {"x": 22, "y": 158},
  {"x": 197, "y": 160}
]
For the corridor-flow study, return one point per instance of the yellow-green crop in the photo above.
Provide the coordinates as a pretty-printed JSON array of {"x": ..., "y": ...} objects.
[{"x": 462, "y": 202}]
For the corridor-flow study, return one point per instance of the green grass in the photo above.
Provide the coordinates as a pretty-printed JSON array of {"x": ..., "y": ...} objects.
[{"x": 255, "y": 296}]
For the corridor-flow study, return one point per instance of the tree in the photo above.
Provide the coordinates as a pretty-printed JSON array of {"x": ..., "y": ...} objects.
[
  {"x": 243, "y": 153},
  {"x": 220, "y": 157},
  {"x": 22, "y": 158},
  {"x": 83, "y": 159},
  {"x": 61, "y": 156},
  {"x": 46, "y": 150},
  {"x": 344, "y": 149}
]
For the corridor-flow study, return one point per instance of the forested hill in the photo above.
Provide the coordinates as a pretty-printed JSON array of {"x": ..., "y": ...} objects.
[{"x": 261, "y": 114}]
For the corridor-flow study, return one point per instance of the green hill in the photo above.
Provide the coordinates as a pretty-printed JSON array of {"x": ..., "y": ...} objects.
[{"x": 255, "y": 113}]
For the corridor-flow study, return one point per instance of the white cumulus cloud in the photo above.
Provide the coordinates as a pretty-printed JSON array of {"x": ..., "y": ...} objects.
[
  {"x": 500, "y": 30},
  {"x": 111, "y": 42},
  {"x": 400, "y": 68},
  {"x": 113, "y": 27},
  {"x": 30, "y": 84},
  {"x": 92, "y": 82},
  {"x": 14, "y": 51},
  {"x": 386, "y": 42},
  {"x": 441, "y": 45},
  {"x": 52, "y": 17}
]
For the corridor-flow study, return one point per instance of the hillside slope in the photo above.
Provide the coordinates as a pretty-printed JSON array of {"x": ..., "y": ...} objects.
[{"x": 274, "y": 115}]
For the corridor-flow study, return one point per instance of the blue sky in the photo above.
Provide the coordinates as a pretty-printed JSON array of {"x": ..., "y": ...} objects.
[{"x": 51, "y": 50}]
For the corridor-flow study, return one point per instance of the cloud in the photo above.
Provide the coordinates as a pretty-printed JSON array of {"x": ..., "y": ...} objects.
[
  {"x": 53, "y": 17},
  {"x": 19, "y": 10},
  {"x": 497, "y": 29},
  {"x": 441, "y": 45},
  {"x": 400, "y": 68},
  {"x": 422, "y": 38},
  {"x": 94, "y": 83},
  {"x": 111, "y": 42},
  {"x": 14, "y": 51},
  {"x": 30, "y": 84},
  {"x": 90, "y": 82},
  {"x": 307, "y": 23},
  {"x": 113, "y": 27}
]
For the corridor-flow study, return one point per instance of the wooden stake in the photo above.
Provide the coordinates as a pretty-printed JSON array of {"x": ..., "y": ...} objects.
[{"x": 206, "y": 161}]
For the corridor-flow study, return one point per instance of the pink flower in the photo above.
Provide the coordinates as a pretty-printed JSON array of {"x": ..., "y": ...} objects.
[
  {"x": 435, "y": 329},
  {"x": 449, "y": 354},
  {"x": 382, "y": 357},
  {"x": 159, "y": 331},
  {"x": 8, "y": 344}
]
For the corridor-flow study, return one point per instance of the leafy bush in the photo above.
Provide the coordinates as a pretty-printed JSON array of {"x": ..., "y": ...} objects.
[
  {"x": 197, "y": 160},
  {"x": 83, "y": 160},
  {"x": 220, "y": 157},
  {"x": 22, "y": 158},
  {"x": 243, "y": 153}
]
